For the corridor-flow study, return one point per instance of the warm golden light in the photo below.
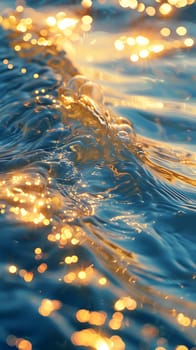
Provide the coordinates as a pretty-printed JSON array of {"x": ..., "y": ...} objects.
[
  {"x": 23, "y": 344},
  {"x": 101, "y": 344},
  {"x": 181, "y": 3},
  {"x": 128, "y": 4},
  {"x": 119, "y": 45},
  {"x": 82, "y": 275},
  {"x": 59, "y": 26},
  {"x": 141, "y": 7},
  {"x": 71, "y": 259},
  {"x": 51, "y": 21},
  {"x": 97, "y": 318},
  {"x": 144, "y": 53},
  {"x": 83, "y": 315},
  {"x": 157, "y": 48},
  {"x": 70, "y": 277},
  {"x": 142, "y": 40},
  {"x": 165, "y": 9},
  {"x": 21, "y": 27},
  {"x": 125, "y": 302},
  {"x": 189, "y": 42},
  {"x": 66, "y": 23},
  {"x": 181, "y": 30},
  {"x": 134, "y": 57},
  {"x": 144, "y": 47},
  {"x": 86, "y": 3},
  {"x": 48, "y": 306},
  {"x": 183, "y": 320},
  {"x": 165, "y": 31},
  {"x": 131, "y": 41},
  {"x": 10, "y": 66},
  {"x": 28, "y": 276},
  {"x": 90, "y": 338},
  {"x": 35, "y": 200},
  {"x": 36, "y": 76},
  {"x": 42, "y": 268},
  {"x": 102, "y": 281},
  {"x": 119, "y": 305},
  {"x": 17, "y": 48},
  {"x": 38, "y": 250},
  {"x": 19, "y": 8},
  {"x": 87, "y": 19},
  {"x": 116, "y": 321},
  {"x": 12, "y": 269},
  {"x": 130, "y": 303},
  {"x": 27, "y": 37},
  {"x": 26, "y": 202},
  {"x": 20, "y": 343},
  {"x": 75, "y": 241},
  {"x": 133, "y": 4},
  {"x": 150, "y": 10},
  {"x": 66, "y": 232},
  {"x": 117, "y": 342}
]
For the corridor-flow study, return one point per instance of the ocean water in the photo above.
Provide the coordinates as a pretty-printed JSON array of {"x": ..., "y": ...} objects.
[{"x": 98, "y": 175}]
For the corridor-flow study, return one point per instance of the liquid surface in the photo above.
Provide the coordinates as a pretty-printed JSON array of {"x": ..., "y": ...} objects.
[{"x": 98, "y": 175}]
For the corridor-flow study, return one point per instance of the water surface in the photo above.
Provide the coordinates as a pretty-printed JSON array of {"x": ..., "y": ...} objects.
[{"x": 97, "y": 175}]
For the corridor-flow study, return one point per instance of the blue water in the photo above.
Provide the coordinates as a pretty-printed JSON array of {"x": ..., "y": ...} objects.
[{"x": 97, "y": 175}]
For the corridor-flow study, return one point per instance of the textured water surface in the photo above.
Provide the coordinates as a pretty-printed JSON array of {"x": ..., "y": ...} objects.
[{"x": 97, "y": 175}]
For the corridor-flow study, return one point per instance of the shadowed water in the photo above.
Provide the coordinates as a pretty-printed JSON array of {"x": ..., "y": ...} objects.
[{"x": 97, "y": 176}]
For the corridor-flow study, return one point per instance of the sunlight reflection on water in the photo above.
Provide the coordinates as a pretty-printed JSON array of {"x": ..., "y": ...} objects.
[{"x": 98, "y": 175}]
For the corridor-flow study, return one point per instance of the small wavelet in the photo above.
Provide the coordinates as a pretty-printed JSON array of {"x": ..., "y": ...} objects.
[{"x": 97, "y": 175}]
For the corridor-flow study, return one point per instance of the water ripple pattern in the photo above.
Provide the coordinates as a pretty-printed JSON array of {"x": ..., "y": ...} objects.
[{"x": 97, "y": 175}]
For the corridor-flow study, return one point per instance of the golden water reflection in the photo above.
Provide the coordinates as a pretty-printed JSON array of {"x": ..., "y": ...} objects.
[
  {"x": 64, "y": 28},
  {"x": 91, "y": 338},
  {"x": 27, "y": 197},
  {"x": 29, "y": 200}
]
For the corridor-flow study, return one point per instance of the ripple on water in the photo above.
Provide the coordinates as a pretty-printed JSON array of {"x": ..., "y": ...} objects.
[{"x": 97, "y": 181}]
